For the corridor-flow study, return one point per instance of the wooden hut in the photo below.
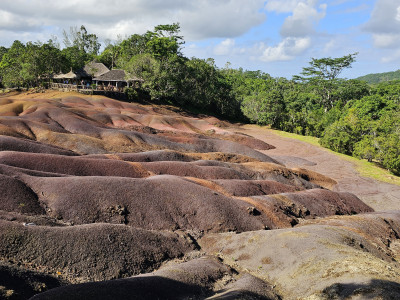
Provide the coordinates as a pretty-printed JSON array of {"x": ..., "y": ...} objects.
[
  {"x": 116, "y": 80},
  {"x": 92, "y": 70},
  {"x": 69, "y": 77}
]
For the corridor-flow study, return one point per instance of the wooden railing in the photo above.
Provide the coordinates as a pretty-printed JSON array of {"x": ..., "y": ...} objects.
[{"x": 85, "y": 88}]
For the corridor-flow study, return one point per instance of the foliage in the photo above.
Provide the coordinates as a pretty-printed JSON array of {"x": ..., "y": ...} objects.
[
  {"x": 84, "y": 41},
  {"x": 265, "y": 107},
  {"x": 110, "y": 53},
  {"x": 369, "y": 129},
  {"x": 328, "y": 68},
  {"x": 380, "y": 77},
  {"x": 11, "y": 65},
  {"x": 323, "y": 74},
  {"x": 339, "y": 137}
]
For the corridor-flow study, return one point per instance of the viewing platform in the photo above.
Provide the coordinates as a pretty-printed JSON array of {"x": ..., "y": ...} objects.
[{"x": 88, "y": 90}]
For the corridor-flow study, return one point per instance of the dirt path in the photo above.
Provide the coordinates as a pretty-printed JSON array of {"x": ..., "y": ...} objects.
[{"x": 293, "y": 153}]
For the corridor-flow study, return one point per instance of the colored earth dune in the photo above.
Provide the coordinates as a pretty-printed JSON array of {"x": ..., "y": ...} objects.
[{"x": 102, "y": 199}]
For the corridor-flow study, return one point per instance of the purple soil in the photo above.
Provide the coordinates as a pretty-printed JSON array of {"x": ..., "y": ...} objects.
[
  {"x": 246, "y": 188},
  {"x": 190, "y": 280},
  {"x": 8, "y": 143},
  {"x": 89, "y": 252},
  {"x": 323, "y": 203},
  {"x": 71, "y": 165},
  {"x": 58, "y": 124},
  {"x": 156, "y": 203},
  {"x": 287, "y": 209},
  {"x": 18, "y": 283},
  {"x": 17, "y": 197},
  {"x": 193, "y": 170}
]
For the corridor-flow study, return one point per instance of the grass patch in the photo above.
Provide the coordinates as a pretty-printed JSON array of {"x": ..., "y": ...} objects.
[
  {"x": 365, "y": 168},
  {"x": 308, "y": 139}
]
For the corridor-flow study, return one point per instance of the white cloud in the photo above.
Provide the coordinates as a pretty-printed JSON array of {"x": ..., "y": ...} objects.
[
  {"x": 386, "y": 40},
  {"x": 392, "y": 57},
  {"x": 282, "y": 6},
  {"x": 225, "y": 47},
  {"x": 287, "y": 49},
  {"x": 222, "y": 18},
  {"x": 384, "y": 24},
  {"x": 303, "y": 20},
  {"x": 297, "y": 29},
  {"x": 199, "y": 19}
]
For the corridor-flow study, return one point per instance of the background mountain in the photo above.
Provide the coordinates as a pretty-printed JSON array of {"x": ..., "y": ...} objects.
[{"x": 380, "y": 77}]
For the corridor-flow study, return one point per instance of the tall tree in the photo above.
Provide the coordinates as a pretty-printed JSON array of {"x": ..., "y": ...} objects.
[
  {"x": 111, "y": 53},
  {"x": 165, "y": 41},
  {"x": 84, "y": 41},
  {"x": 11, "y": 65},
  {"x": 323, "y": 75}
]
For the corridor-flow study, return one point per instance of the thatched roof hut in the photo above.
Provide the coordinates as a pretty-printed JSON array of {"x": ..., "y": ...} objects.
[
  {"x": 117, "y": 76},
  {"x": 92, "y": 70},
  {"x": 69, "y": 75},
  {"x": 89, "y": 71}
]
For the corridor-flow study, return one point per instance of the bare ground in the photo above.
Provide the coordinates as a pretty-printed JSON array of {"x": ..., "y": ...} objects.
[
  {"x": 101, "y": 199},
  {"x": 379, "y": 195}
]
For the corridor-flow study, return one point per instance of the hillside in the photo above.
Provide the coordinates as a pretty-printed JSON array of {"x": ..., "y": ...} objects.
[
  {"x": 380, "y": 77},
  {"x": 103, "y": 199}
]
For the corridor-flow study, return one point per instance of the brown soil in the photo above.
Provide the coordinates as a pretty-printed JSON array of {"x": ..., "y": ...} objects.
[{"x": 102, "y": 199}]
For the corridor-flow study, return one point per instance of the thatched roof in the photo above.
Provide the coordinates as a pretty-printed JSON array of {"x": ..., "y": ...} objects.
[
  {"x": 92, "y": 69},
  {"x": 70, "y": 75},
  {"x": 117, "y": 75}
]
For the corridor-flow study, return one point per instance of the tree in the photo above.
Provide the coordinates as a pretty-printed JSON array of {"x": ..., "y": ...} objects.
[
  {"x": 84, "y": 41},
  {"x": 266, "y": 108},
  {"x": 164, "y": 41},
  {"x": 366, "y": 148},
  {"x": 389, "y": 152},
  {"x": 110, "y": 53},
  {"x": 3, "y": 50},
  {"x": 323, "y": 75},
  {"x": 75, "y": 58},
  {"x": 11, "y": 65},
  {"x": 128, "y": 48}
]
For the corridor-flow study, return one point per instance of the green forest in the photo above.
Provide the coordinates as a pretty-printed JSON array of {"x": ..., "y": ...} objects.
[
  {"x": 380, "y": 77},
  {"x": 349, "y": 116}
]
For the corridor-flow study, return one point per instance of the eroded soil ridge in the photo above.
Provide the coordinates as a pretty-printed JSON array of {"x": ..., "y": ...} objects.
[{"x": 102, "y": 199}]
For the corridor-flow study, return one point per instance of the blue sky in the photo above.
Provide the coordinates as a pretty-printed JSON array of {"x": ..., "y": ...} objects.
[{"x": 278, "y": 37}]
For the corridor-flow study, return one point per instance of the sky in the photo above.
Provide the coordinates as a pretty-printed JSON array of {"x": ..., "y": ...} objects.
[{"x": 278, "y": 37}]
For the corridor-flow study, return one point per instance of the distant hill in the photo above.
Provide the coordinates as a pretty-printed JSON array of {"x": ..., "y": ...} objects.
[{"x": 381, "y": 77}]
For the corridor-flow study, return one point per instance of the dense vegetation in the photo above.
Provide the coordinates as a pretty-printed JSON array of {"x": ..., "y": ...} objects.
[
  {"x": 349, "y": 116},
  {"x": 380, "y": 77}
]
